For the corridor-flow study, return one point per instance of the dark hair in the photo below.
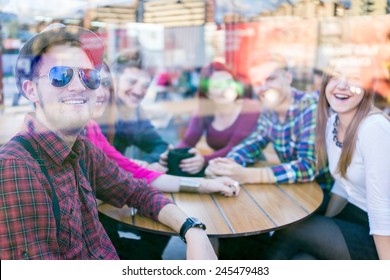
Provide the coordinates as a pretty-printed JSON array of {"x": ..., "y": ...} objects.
[
  {"x": 205, "y": 106},
  {"x": 131, "y": 58},
  {"x": 30, "y": 55},
  {"x": 208, "y": 70}
]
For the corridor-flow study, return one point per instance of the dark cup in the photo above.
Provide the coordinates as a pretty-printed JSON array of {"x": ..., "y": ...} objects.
[{"x": 175, "y": 156}]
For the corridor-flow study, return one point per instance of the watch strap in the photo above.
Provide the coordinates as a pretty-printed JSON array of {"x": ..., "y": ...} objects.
[{"x": 190, "y": 223}]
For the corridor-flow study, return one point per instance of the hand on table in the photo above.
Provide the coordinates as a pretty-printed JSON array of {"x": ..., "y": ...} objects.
[
  {"x": 193, "y": 164},
  {"x": 223, "y": 185},
  {"x": 226, "y": 167}
]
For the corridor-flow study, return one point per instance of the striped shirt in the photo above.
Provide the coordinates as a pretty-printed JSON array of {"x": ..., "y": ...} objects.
[
  {"x": 292, "y": 140},
  {"x": 27, "y": 222}
]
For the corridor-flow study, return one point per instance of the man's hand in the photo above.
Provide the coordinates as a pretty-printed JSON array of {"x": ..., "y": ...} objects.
[
  {"x": 193, "y": 164},
  {"x": 199, "y": 246},
  {"x": 223, "y": 185},
  {"x": 227, "y": 167}
]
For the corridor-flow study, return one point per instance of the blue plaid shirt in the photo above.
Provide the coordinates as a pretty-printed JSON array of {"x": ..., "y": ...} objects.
[{"x": 292, "y": 140}]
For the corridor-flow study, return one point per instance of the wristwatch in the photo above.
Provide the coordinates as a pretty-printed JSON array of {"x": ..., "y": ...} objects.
[{"x": 190, "y": 223}]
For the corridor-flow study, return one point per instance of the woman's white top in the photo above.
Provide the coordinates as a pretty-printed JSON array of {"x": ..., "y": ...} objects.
[{"x": 368, "y": 176}]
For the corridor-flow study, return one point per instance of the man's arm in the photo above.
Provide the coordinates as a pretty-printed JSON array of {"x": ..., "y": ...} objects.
[
  {"x": 148, "y": 140},
  {"x": 250, "y": 150},
  {"x": 198, "y": 244},
  {"x": 302, "y": 168},
  {"x": 116, "y": 186}
]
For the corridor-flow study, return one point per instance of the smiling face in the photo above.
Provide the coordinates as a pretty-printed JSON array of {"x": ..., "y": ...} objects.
[
  {"x": 103, "y": 94},
  {"x": 222, "y": 88},
  {"x": 345, "y": 89},
  {"x": 132, "y": 86},
  {"x": 62, "y": 108},
  {"x": 271, "y": 84}
]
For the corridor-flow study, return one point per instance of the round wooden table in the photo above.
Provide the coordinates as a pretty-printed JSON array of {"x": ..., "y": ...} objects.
[{"x": 258, "y": 209}]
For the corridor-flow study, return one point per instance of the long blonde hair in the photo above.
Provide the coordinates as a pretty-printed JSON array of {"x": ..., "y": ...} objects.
[{"x": 365, "y": 108}]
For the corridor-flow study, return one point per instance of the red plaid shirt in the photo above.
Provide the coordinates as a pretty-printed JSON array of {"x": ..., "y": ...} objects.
[{"x": 27, "y": 222}]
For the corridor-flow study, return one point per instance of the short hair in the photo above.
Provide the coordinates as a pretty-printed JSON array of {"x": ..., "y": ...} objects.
[
  {"x": 31, "y": 53},
  {"x": 131, "y": 58}
]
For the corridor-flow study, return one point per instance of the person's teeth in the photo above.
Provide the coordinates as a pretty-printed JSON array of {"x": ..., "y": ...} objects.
[
  {"x": 341, "y": 96},
  {"x": 72, "y": 102}
]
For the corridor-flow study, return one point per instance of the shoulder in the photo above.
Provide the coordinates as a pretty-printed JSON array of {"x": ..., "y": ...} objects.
[
  {"x": 16, "y": 163},
  {"x": 304, "y": 99},
  {"x": 12, "y": 150},
  {"x": 374, "y": 124}
]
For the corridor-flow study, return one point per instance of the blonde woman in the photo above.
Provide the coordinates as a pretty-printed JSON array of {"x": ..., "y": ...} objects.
[{"x": 353, "y": 137}]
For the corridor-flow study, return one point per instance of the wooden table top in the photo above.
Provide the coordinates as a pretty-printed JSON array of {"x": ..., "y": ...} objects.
[{"x": 258, "y": 209}]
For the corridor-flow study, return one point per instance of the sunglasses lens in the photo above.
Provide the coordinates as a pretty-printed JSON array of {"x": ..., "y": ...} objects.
[
  {"x": 60, "y": 76},
  {"x": 91, "y": 78}
]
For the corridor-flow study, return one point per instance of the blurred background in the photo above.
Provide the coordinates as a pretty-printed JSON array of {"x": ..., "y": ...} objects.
[{"x": 180, "y": 36}]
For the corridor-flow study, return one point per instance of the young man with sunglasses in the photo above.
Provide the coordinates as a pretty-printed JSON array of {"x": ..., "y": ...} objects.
[{"x": 50, "y": 175}]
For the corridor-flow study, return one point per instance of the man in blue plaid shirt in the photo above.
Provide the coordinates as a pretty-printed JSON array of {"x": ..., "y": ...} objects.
[{"x": 288, "y": 122}]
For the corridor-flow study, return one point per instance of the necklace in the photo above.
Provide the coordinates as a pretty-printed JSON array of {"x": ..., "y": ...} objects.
[{"x": 335, "y": 125}]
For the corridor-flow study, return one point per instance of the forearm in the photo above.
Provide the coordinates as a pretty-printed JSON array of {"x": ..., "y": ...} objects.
[
  {"x": 198, "y": 244},
  {"x": 259, "y": 175},
  {"x": 382, "y": 244},
  {"x": 172, "y": 216},
  {"x": 169, "y": 183},
  {"x": 166, "y": 183}
]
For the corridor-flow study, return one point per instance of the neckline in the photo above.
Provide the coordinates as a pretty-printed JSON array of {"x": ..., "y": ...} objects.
[{"x": 335, "y": 126}]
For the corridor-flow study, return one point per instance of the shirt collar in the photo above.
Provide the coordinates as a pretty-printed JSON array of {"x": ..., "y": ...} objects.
[
  {"x": 50, "y": 142},
  {"x": 296, "y": 96}
]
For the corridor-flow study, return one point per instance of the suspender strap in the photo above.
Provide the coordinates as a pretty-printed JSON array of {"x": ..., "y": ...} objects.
[{"x": 55, "y": 204}]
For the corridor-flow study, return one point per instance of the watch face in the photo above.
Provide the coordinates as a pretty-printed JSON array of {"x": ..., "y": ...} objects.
[{"x": 197, "y": 223}]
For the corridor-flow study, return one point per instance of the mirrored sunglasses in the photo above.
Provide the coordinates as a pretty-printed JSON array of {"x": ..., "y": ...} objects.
[{"x": 61, "y": 76}]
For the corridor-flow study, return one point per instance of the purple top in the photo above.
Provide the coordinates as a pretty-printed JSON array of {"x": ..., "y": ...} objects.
[{"x": 222, "y": 141}]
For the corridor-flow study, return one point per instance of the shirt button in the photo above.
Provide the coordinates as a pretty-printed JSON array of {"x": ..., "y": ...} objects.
[
  {"x": 87, "y": 231},
  {"x": 25, "y": 255},
  {"x": 100, "y": 257}
]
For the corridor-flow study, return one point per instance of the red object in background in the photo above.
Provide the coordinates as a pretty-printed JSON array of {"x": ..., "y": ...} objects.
[
  {"x": 248, "y": 44},
  {"x": 164, "y": 79}
]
